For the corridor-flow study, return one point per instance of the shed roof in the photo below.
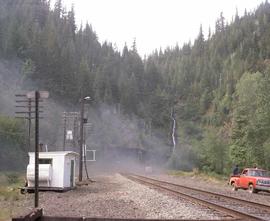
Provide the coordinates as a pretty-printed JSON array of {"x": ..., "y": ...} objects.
[{"x": 54, "y": 153}]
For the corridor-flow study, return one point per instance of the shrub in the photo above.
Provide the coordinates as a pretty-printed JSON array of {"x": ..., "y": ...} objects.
[{"x": 12, "y": 178}]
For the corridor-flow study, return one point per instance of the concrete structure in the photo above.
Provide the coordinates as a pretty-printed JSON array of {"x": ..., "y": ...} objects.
[{"x": 56, "y": 170}]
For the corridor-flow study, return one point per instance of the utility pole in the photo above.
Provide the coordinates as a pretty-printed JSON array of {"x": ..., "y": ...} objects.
[
  {"x": 86, "y": 127},
  {"x": 29, "y": 123},
  {"x": 65, "y": 130},
  {"x": 37, "y": 95},
  {"x": 81, "y": 139},
  {"x": 76, "y": 129},
  {"x": 82, "y": 121},
  {"x": 26, "y": 100},
  {"x": 84, "y": 157},
  {"x": 26, "y": 103},
  {"x": 32, "y": 96}
]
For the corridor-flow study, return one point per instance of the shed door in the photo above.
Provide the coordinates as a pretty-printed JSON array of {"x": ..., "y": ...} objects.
[{"x": 72, "y": 173}]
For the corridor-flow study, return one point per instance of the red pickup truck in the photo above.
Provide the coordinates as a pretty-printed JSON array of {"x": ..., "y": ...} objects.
[{"x": 251, "y": 179}]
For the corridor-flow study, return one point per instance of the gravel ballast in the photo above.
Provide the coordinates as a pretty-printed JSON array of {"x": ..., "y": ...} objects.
[
  {"x": 215, "y": 186},
  {"x": 114, "y": 196}
]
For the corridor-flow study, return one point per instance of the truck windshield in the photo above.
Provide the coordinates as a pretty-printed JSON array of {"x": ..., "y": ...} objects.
[{"x": 260, "y": 173}]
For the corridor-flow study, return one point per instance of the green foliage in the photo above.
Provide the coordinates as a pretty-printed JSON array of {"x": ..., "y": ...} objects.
[
  {"x": 251, "y": 125},
  {"x": 184, "y": 158},
  {"x": 13, "y": 147},
  {"x": 213, "y": 154},
  {"x": 205, "y": 101},
  {"x": 9, "y": 183},
  {"x": 9, "y": 193},
  {"x": 12, "y": 178},
  {"x": 191, "y": 129},
  {"x": 238, "y": 155},
  {"x": 222, "y": 79},
  {"x": 206, "y": 176},
  {"x": 10, "y": 130}
]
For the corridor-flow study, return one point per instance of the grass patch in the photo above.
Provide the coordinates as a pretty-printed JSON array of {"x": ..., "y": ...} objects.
[
  {"x": 9, "y": 186},
  {"x": 12, "y": 178},
  {"x": 9, "y": 192},
  {"x": 180, "y": 173},
  {"x": 210, "y": 176},
  {"x": 3, "y": 179}
]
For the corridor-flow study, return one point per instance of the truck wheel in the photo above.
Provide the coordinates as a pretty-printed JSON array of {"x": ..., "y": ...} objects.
[
  {"x": 234, "y": 188},
  {"x": 22, "y": 191},
  {"x": 251, "y": 189}
]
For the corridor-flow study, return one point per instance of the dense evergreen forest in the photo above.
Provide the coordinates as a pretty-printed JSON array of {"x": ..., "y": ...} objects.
[{"x": 215, "y": 87}]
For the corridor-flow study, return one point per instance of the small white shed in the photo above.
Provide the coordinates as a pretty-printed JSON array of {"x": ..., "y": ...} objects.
[{"x": 56, "y": 170}]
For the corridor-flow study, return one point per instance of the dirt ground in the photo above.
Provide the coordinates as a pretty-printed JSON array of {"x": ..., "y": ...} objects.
[{"x": 114, "y": 196}]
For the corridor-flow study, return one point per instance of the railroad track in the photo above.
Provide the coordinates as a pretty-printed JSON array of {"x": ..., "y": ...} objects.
[{"x": 234, "y": 208}]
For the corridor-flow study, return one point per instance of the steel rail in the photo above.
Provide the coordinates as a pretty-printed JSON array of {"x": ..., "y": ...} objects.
[
  {"x": 251, "y": 203},
  {"x": 229, "y": 211}
]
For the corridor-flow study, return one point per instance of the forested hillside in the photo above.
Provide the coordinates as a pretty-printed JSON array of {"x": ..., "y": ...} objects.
[{"x": 216, "y": 87}]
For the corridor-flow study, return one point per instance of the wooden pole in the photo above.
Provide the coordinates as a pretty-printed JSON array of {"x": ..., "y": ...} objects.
[
  {"x": 36, "y": 147},
  {"x": 29, "y": 123},
  {"x": 81, "y": 139},
  {"x": 65, "y": 124}
]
